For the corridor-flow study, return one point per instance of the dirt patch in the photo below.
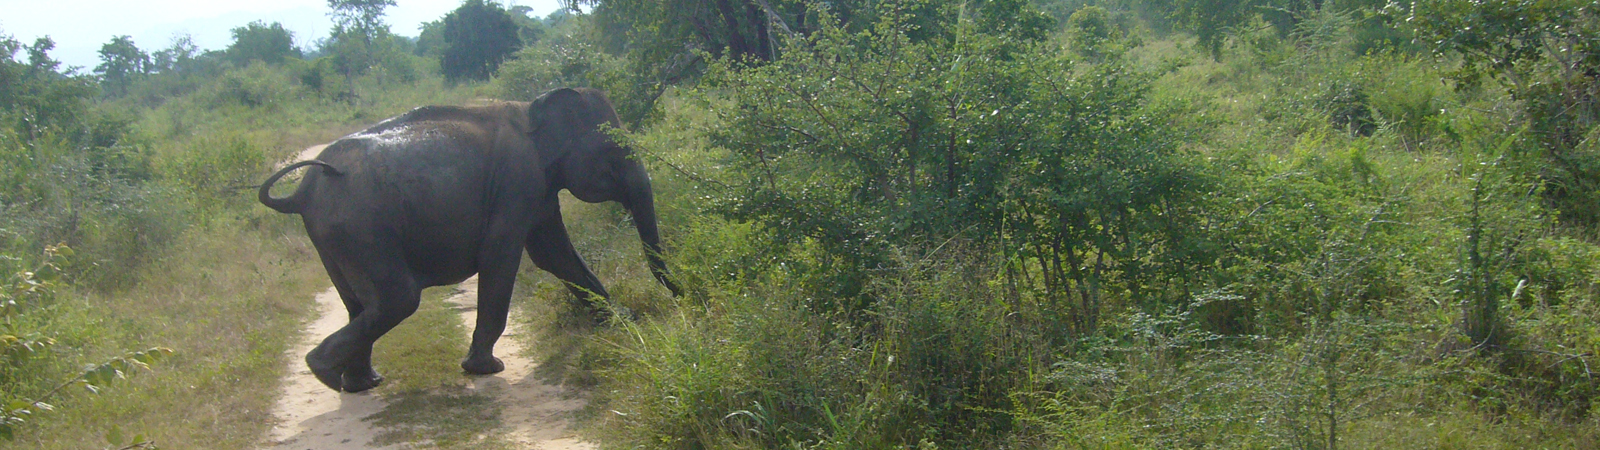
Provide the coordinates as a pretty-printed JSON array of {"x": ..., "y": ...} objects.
[
  {"x": 309, "y": 153},
  {"x": 311, "y": 416},
  {"x": 534, "y": 414}
]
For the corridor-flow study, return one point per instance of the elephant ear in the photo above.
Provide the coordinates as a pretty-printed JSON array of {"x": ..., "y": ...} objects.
[{"x": 556, "y": 111}]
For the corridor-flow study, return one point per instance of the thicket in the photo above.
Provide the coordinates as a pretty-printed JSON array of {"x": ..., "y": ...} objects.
[{"x": 916, "y": 224}]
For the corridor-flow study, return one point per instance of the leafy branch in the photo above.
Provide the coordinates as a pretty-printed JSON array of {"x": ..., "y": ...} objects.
[{"x": 34, "y": 289}]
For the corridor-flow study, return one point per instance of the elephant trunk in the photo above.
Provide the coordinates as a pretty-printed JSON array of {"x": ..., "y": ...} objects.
[{"x": 642, "y": 205}]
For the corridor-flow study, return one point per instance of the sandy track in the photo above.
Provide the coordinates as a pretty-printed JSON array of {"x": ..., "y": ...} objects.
[
  {"x": 536, "y": 415},
  {"x": 310, "y": 416}
]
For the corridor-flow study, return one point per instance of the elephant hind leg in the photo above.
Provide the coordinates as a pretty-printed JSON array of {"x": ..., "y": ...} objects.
[
  {"x": 359, "y": 374},
  {"x": 389, "y": 294}
]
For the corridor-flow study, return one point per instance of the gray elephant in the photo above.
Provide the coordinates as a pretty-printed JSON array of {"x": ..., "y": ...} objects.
[{"x": 438, "y": 194}]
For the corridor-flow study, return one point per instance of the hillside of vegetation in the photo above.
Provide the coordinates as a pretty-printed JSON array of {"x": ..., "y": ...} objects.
[{"x": 899, "y": 224}]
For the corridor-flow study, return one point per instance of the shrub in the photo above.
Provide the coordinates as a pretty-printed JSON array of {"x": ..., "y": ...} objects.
[
  {"x": 25, "y": 299},
  {"x": 255, "y": 86}
]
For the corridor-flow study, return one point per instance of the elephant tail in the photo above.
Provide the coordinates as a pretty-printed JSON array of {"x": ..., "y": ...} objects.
[{"x": 293, "y": 203}]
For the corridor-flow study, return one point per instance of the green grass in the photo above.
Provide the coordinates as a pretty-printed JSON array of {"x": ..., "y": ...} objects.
[
  {"x": 424, "y": 352},
  {"x": 425, "y": 387},
  {"x": 229, "y": 301}
]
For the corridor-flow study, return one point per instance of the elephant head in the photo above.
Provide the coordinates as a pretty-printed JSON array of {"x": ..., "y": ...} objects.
[{"x": 571, "y": 125}]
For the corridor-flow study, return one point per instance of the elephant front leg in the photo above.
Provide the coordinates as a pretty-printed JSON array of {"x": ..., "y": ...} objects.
[
  {"x": 497, "y": 276},
  {"x": 551, "y": 249},
  {"x": 360, "y": 375}
]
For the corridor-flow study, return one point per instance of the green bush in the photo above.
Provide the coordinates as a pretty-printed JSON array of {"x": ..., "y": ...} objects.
[
  {"x": 26, "y": 301},
  {"x": 549, "y": 64},
  {"x": 214, "y": 169},
  {"x": 1407, "y": 98},
  {"x": 256, "y": 86}
]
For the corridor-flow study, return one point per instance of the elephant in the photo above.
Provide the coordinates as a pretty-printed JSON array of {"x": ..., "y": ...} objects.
[{"x": 440, "y": 193}]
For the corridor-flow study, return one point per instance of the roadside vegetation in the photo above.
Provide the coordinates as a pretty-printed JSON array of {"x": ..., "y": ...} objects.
[{"x": 899, "y": 224}]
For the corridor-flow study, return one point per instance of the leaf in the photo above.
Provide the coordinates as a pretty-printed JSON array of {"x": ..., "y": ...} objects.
[{"x": 114, "y": 437}]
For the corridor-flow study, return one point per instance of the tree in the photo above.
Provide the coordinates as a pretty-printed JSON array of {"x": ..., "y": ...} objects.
[
  {"x": 180, "y": 58},
  {"x": 477, "y": 37},
  {"x": 530, "y": 28},
  {"x": 35, "y": 99},
  {"x": 121, "y": 63},
  {"x": 39, "y": 59},
  {"x": 430, "y": 42},
  {"x": 357, "y": 26},
  {"x": 1546, "y": 54},
  {"x": 1090, "y": 31},
  {"x": 259, "y": 41},
  {"x": 1210, "y": 19},
  {"x": 363, "y": 18}
]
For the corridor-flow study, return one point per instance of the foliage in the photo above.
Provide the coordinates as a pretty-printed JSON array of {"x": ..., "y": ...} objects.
[
  {"x": 363, "y": 18},
  {"x": 1091, "y": 32},
  {"x": 21, "y": 339},
  {"x": 1058, "y": 161},
  {"x": 562, "y": 59},
  {"x": 663, "y": 42},
  {"x": 258, "y": 41},
  {"x": 181, "y": 57},
  {"x": 121, "y": 63},
  {"x": 1310, "y": 242},
  {"x": 361, "y": 41},
  {"x": 1545, "y": 53},
  {"x": 477, "y": 36},
  {"x": 39, "y": 100}
]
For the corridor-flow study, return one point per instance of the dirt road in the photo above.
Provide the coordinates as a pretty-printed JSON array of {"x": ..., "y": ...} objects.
[{"x": 310, "y": 416}]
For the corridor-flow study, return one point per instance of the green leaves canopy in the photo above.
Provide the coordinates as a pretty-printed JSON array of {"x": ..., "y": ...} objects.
[
  {"x": 477, "y": 37},
  {"x": 862, "y": 142}
]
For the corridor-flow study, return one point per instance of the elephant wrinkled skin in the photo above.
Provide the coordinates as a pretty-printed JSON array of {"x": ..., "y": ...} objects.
[{"x": 438, "y": 194}]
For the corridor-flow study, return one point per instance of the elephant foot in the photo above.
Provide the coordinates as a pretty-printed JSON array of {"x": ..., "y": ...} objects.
[
  {"x": 330, "y": 374},
  {"x": 483, "y": 366},
  {"x": 362, "y": 381},
  {"x": 603, "y": 312},
  {"x": 619, "y": 313}
]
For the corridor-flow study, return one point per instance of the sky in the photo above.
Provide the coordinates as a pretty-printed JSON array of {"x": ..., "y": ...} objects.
[{"x": 80, "y": 27}]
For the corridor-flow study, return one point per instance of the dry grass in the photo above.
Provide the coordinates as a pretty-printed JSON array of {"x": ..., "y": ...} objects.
[{"x": 229, "y": 300}]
